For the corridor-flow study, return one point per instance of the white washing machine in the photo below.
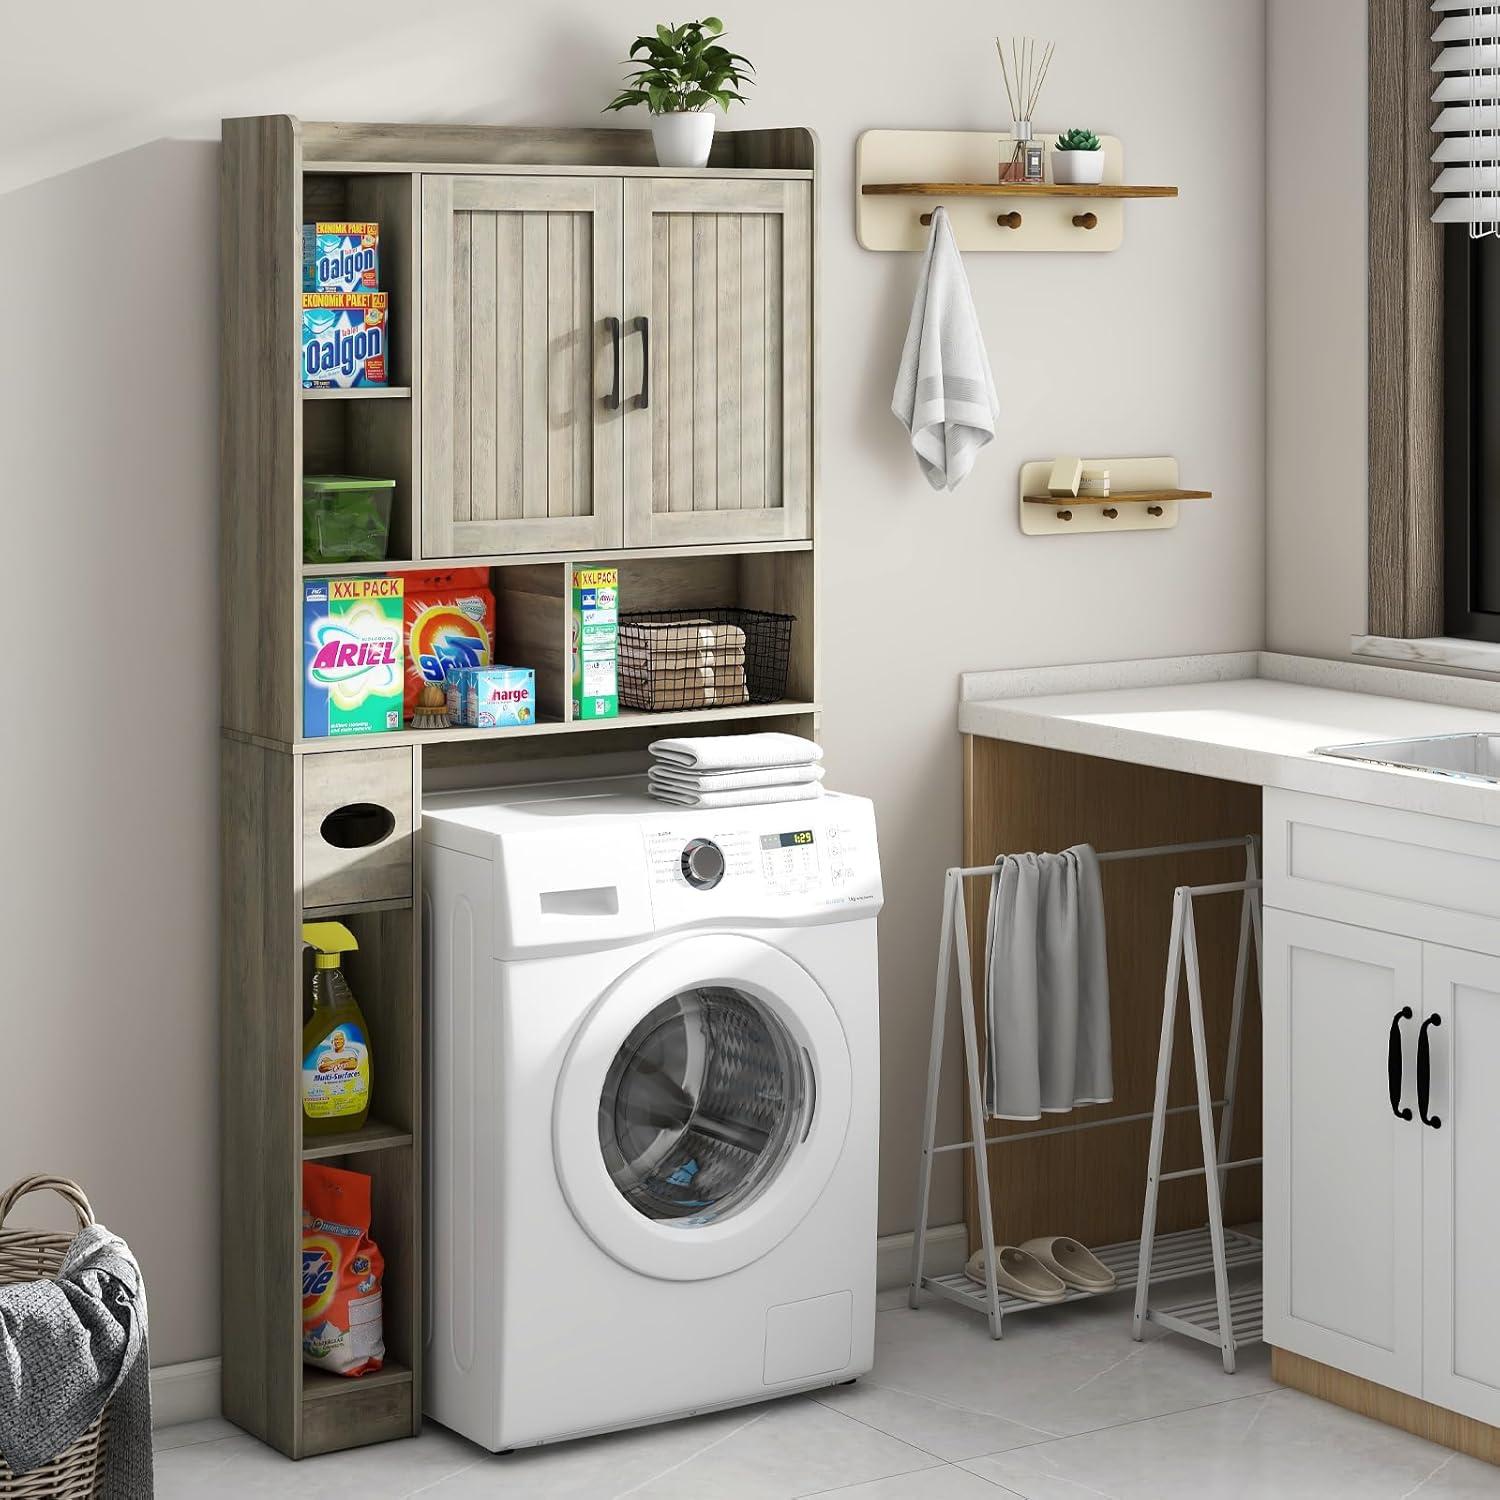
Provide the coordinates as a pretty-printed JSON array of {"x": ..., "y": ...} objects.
[{"x": 652, "y": 1105}]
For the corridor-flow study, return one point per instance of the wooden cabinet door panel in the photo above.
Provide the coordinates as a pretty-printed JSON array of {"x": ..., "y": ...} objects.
[
  {"x": 718, "y": 431},
  {"x": 1343, "y": 1174},
  {"x": 1461, "y": 1201},
  {"x": 521, "y": 445}
]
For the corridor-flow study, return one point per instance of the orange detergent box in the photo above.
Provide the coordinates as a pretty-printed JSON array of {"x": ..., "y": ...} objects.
[{"x": 450, "y": 623}]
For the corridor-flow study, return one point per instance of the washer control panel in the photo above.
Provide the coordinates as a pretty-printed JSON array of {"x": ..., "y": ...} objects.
[{"x": 777, "y": 861}]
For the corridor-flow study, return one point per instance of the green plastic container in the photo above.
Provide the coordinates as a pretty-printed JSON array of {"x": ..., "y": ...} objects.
[{"x": 345, "y": 518}]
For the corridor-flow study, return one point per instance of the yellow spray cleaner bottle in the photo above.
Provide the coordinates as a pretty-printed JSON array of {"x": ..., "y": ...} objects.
[{"x": 335, "y": 1042}]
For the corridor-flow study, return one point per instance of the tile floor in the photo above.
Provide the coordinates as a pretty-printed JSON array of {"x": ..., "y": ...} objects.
[{"x": 1066, "y": 1407}]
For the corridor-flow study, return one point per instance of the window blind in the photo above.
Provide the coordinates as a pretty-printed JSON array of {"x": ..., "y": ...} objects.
[{"x": 1468, "y": 124}]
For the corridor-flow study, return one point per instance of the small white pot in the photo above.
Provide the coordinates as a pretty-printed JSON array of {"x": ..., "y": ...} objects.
[
  {"x": 683, "y": 139},
  {"x": 1076, "y": 166}
]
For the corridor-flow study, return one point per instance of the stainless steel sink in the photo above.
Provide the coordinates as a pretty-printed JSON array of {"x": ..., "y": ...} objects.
[{"x": 1472, "y": 757}]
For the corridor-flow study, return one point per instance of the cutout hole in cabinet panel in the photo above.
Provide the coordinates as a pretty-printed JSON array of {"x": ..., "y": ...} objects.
[{"x": 358, "y": 825}]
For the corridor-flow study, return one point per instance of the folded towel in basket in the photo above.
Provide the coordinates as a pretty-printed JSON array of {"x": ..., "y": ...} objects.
[
  {"x": 1047, "y": 986},
  {"x": 68, "y": 1347},
  {"x": 736, "y": 752}
]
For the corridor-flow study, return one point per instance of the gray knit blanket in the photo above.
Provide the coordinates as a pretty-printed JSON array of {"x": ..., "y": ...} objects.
[{"x": 67, "y": 1347}]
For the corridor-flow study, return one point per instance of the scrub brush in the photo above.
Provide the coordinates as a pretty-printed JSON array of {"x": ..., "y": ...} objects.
[{"x": 432, "y": 708}]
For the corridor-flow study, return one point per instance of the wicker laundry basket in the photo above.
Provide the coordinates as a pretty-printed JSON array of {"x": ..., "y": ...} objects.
[{"x": 36, "y": 1255}]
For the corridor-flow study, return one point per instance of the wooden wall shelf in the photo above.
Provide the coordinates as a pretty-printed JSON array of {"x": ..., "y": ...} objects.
[
  {"x": 960, "y": 169},
  {"x": 1015, "y": 190},
  {"x": 1145, "y": 497}
]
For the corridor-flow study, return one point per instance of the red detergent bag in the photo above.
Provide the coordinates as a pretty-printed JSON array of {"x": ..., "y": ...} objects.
[
  {"x": 342, "y": 1323},
  {"x": 450, "y": 621}
]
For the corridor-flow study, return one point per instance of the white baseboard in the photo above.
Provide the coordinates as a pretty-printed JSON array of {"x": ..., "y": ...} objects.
[
  {"x": 947, "y": 1250},
  {"x": 188, "y": 1392}
]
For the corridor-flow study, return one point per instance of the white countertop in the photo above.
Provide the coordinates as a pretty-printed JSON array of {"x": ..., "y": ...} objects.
[{"x": 1251, "y": 717}]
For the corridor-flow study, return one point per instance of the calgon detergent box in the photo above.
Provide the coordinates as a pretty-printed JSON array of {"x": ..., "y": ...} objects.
[
  {"x": 450, "y": 623},
  {"x": 341, "y": 257},
  {"x": 595, "y": 598},
  {"x": 345, "y": 339},
  {"x": 352, "y": 630}
]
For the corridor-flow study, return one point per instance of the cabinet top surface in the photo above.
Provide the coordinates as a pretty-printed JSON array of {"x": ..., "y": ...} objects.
[{"x": 1248, "y": 717}]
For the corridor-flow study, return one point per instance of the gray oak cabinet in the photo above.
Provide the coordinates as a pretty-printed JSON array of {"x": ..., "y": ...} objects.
[{"x": 613, "y": 362}]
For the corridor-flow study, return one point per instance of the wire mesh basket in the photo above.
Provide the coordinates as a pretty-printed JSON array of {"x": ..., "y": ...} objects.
[
  {"x": 37, "y": 1255},
  {"x": 703, "y": 658}
]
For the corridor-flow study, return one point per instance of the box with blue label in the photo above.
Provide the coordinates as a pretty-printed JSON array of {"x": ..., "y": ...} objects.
[
  {"x": 341, "y": 256},
  {"x": 491, "y": 697},
  {"x": 345, "y": 339},
  {"x": 352, "y": 636}
]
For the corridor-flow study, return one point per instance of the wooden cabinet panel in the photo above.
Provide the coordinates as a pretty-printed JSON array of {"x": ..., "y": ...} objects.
[
  {"x": 521, "y": 444},
  {"x": 1343, "y": 1174},
  {"x": 1461, "y": 1209},
  {"x": 718, "y": 299}
]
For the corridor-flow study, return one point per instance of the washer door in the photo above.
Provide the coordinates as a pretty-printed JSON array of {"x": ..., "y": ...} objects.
[{"x": 702, "y": 1107}]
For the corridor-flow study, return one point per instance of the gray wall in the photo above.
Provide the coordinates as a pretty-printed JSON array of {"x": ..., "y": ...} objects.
[
  {"x": 1316, "y": 326},
  {"x": 109, "y": 443}
]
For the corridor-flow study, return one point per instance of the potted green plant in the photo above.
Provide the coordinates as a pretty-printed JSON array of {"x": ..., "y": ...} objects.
[
  {"x": 683, "y": 72},
  {"x": 1077, "y": 157}
]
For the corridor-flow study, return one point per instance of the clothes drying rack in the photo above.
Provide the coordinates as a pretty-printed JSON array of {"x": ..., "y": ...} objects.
[{"x": 1232, "y": 1317}]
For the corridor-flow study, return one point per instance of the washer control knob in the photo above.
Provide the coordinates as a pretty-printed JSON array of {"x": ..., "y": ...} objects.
[{"x": 702, "y": 864}]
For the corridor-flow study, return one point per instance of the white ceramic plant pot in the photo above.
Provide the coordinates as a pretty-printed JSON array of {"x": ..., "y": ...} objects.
[
  {"x": 683, "y": 139},
  {"x": 1074, "y": 166}
]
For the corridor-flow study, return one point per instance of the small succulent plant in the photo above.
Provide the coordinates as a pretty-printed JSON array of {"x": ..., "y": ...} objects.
[{"x": 1077, "y": 140}]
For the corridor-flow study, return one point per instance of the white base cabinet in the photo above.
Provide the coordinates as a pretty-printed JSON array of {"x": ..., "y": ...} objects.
[{"x": 1382, "y": 1111}]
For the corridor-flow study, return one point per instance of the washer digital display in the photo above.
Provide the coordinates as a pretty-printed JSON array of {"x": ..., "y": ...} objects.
[{"x": 786, "y": 840}]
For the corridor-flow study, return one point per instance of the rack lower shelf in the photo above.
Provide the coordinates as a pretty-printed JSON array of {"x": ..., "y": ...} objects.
[
  {"x": 373, "y": 1135},
  {"x": 320, "y": 1385},
  {"x": 1188, "y": 1252}
]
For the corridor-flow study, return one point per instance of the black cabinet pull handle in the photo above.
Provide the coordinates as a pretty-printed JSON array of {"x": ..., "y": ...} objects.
[
  {"x": 612, "y": 401},
  {"x": 643, "y": 327},
  {"x": 1393, "y": 1063},
  {"x": 1424, "y": 1073}
]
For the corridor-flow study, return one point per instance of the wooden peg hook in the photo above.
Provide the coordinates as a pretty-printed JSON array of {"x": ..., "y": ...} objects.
[
  {"x": 924, "y": 219},
  {"x": 1086, "y": 221},
  {"x": 1012, "y": 220}
]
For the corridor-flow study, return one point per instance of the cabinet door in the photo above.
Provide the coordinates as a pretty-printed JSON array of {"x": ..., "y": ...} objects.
[
  {"x": 718, "y": 430},
  {"x": 1343, "y": 1173},
  {"x": 1460, "y": 1192},
  {"x": 520, "y": 441}
]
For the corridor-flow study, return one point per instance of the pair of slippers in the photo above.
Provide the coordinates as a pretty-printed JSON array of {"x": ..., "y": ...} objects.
[{"x": 1044, "y": 1269}]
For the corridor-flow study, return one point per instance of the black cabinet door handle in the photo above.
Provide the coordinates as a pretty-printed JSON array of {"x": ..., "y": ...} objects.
[
  {"x": 612, "y": 401},
  {"x": 1393, "y": 1063},
  {"x": 1424, "y": 1073},
  {"x": 643, "y": 327}
]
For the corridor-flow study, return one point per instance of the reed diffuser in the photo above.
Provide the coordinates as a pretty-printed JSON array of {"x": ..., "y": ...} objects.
[{"x": 1024, "y": 77}]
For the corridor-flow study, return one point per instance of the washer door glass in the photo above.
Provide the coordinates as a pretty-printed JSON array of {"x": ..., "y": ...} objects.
[{"x": 701, "y": 1106}]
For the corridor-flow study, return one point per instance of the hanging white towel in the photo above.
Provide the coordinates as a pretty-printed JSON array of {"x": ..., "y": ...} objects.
[
  {"x": 736, "y": 752},
  {"x": 732, "y": 781},
  {"x": 945, "y": 393},
  {"x": 799, "y": 791},
  {"x": 1047, "y": 986}
]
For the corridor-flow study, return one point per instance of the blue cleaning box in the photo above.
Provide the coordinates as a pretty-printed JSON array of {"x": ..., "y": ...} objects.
[
  {"x": 345, "y": 339},
  {"x": 491, "y": 697},
  {"x": 341, "y": 256}
]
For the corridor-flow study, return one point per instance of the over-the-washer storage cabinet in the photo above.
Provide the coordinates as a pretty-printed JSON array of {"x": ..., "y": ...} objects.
[{"x": 591, "y": 358}]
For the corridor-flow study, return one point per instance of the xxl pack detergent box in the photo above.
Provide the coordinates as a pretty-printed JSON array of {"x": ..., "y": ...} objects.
[
  {"x": 595, "y": 600},
  {"x": 450, "y": 622},
  {"x": 341, "y": 256},
  {"x": 345, "y": 339},
  {"x": 352, "y": 630}
]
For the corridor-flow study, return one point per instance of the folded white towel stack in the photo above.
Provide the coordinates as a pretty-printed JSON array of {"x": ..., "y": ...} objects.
[{"x": 735, "y": 770}]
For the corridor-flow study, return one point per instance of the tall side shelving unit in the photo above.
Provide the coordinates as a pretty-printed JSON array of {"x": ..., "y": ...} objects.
[{"x": 279, "y": 789}]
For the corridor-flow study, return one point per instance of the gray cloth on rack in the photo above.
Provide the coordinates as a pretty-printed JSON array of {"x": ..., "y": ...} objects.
[
  {"x": 68, "y": 1346},
  {"x": 945, "y": 393},
  {"x": 1046, "y": 986}
]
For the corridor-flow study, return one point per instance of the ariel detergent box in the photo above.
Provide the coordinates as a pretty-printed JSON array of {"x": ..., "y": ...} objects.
[
  {"x": 352, "y": 630},
  {"x": 340, "y": 256},
  {"x": 450, "y": 623},
  {"x": 345, "y": 339},
  {"x": 595, "y": 600}
]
